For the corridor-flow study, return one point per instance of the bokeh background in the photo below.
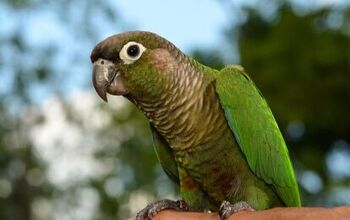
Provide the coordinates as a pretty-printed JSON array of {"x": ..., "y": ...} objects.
[{"x": 64, "y": 154}]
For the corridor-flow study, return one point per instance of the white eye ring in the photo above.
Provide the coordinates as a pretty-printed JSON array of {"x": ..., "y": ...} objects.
[{"x": 131, "y": 52}]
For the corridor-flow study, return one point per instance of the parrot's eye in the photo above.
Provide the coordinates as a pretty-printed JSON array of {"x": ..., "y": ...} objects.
[{"x": 131, "y": 52}]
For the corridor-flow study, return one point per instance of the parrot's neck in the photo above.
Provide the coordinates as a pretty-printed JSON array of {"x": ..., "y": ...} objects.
[{"x": 188, "y": 113}]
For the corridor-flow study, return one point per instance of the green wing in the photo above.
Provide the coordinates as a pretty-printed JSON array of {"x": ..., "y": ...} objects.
[
  {"x": 165, "y": 156},
  {"x": 257, "y": 132}
]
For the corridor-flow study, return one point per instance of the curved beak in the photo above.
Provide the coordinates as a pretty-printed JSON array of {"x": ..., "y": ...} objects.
[
  {"x": 106, "y": 78},
  {"x": 102, "y": 76}
]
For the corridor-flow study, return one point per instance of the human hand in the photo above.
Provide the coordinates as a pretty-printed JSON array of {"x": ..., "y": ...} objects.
[{"x": 338, "y": 213}]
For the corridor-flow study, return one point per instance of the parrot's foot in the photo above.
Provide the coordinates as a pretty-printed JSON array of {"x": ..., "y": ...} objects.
[
  {"x": 227, "y": 209},
  {"x": 154, "y": 208}
]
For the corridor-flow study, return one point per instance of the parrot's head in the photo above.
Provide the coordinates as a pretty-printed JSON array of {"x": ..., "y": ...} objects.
[{"x": 138, "y": 65}]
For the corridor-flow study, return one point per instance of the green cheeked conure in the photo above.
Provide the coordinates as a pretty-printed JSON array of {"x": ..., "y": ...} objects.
[{"x": 213, "y": 132}]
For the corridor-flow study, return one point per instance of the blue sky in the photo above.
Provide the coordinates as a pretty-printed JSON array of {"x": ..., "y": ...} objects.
[{"x": 185, "y": 23}]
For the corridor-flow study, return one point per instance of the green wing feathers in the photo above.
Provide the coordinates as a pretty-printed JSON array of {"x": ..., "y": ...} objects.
[{"x": 257, "y": 132}]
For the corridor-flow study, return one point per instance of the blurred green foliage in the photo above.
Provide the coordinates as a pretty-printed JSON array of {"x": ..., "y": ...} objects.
[{"x": 300, "y": 62}]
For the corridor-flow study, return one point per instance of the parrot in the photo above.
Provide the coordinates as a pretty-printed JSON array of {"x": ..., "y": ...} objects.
[{"x": 213, "y": 132}]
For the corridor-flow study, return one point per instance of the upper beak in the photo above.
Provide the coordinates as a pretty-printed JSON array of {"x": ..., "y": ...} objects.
[{"x": 102, "y": 76}]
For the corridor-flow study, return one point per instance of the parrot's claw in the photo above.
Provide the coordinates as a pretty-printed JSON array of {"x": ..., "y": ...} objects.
[
  {"x": 154, "y": 208},
  {"x": 227, "y": 209}
]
